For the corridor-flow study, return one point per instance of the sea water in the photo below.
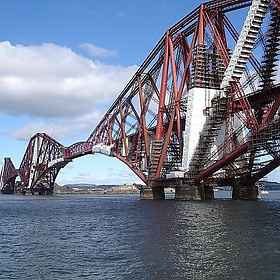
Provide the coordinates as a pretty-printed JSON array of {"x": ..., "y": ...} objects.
[{"x": 122, "y": 237}]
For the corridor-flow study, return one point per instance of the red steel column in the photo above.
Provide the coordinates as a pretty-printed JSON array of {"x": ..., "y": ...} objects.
[
  {"x": 161, "y": 109},
  {"x": 221, "y": 163}
]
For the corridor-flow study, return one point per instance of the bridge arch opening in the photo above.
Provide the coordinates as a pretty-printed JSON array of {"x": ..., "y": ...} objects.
[{"x": 97, "y": 169}]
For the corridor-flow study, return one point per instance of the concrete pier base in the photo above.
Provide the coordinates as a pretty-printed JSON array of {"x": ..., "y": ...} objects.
[
  {"x": 38, "y": 191},
  {"x": 209, "y": 192},
  {"x": 148, "y": 193},
  {"x": 246, "y": 192},
  {"x": 159, "y": 193},
  {"x": 187, "y": 192},
  {"x": 49, "y": 191}
]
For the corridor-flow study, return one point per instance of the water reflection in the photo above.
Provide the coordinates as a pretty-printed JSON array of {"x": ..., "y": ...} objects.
[
  {"x": 122, "y": 237},
  {"x": 220, "y": 239}
]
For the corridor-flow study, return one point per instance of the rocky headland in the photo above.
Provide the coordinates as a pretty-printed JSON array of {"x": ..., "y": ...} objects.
[{"x": 100, "y": 190}]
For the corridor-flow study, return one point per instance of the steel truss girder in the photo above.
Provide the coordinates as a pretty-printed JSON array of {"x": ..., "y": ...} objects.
[
  {"x": 264, "y": 112},
  {"x": 8, "y": 175},
  {"x": 150, "y": 109},
  {"x": 145, "y": 124},
  {"x": 43, "y": 159}
]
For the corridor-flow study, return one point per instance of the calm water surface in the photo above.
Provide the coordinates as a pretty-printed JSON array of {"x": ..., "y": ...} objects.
[{"x": 121, "y": 237}]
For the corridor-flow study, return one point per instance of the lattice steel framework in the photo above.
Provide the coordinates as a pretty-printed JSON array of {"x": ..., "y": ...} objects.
[
  {"x": 145, "y": 126},
  {"x": 43, "y": 159},
  {"x": 8, "y": 176}
]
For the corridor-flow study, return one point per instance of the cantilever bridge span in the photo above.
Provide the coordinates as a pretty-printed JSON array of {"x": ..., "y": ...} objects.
[{"x": 201, "y": 111}]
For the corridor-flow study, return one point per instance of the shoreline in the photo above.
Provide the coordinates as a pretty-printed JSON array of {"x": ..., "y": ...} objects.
[{"x": 103, "y": 191}]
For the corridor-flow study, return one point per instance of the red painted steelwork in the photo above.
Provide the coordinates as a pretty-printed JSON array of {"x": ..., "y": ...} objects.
[
  {"x": 35, "y": 167},
  {"x": 133, "y": 125},
  {"x": 276, "y": 3},
  {"x": 220, "y": 164},
  {"x": 8, "y": 176},
  {"x": 144, "y": 127}
]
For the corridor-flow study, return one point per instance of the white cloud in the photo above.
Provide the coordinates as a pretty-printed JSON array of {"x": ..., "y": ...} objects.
[
  {"x": 58, "y": 129},
  {"x": 95, "y": 51},
  {"x": 66, "y": 91}
]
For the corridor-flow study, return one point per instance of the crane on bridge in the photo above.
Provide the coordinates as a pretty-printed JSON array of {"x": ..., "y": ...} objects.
[{"x": 201, "y": 111}]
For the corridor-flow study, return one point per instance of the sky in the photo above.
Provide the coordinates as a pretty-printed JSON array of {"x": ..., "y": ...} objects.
[{"x": 64, "y": 62}]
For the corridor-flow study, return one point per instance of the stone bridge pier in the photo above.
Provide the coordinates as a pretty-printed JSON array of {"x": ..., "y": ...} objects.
[{"x": 182, "y": 192}]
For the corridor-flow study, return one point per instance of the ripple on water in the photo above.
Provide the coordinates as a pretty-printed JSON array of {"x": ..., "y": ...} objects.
[{"x": 121, "y": 237}]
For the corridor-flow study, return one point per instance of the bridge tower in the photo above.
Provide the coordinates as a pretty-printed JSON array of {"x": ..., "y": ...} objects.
[
  {"x": 220, "y": 115},
  {"x": 236, "y": 155},
  {"x": 8, "y": 176},
  {"x": 43, "y": 159},
  {"x": 220, "y": 121},
  {"x": 189, "y": 116}
]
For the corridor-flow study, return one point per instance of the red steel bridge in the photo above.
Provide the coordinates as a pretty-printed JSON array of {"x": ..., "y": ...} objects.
[{"x": 201, "y": 111}]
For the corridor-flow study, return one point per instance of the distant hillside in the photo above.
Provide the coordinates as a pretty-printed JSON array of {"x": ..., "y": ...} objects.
[
  {"x": 73, "y": 188},
  {"x": 271, "y": 185},
  {"x": 95, "y": 189},
  {"x": 268, "y": 184},
  {"x": 89, "y": 186}
]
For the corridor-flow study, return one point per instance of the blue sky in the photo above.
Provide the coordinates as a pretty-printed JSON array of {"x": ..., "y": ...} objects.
[{"x": 63, "y": 63}]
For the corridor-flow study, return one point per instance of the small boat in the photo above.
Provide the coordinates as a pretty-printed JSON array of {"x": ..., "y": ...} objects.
[{"x": 264, "y": 192}]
